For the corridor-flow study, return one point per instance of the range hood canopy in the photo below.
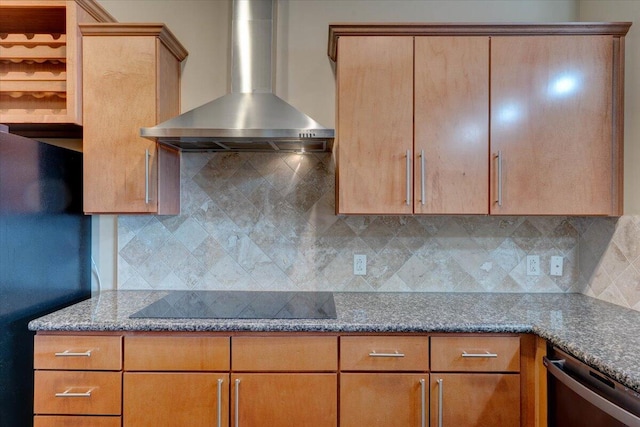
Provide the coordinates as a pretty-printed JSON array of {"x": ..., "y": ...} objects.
[{"x": 251, "y": 117}]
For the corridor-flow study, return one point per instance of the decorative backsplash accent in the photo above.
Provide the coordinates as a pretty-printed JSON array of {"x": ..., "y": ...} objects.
[{"x": 265, "y": 221}]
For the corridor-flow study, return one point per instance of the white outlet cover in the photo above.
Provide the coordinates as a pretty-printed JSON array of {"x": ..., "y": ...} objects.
[
  {"x": 556, "y": 265},
  {"x": 533, "y": 265},
  {"x": 359, "y": 264}
]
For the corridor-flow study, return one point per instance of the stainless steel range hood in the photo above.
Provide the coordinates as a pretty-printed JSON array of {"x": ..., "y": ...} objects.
[{"x": 251, "y": 117}]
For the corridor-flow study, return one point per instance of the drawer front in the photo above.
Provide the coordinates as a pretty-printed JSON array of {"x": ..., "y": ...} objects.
[
  {"x": 475, "y": 354},
  {"x": 80, "y": 352},
  {"x": 74, "y": 421},
  {"x": 77, "y": 393},
  {"x": 277, "y": 354},
  {"x": 174, "y": 353},
  {"x": 371, "y": 353}
]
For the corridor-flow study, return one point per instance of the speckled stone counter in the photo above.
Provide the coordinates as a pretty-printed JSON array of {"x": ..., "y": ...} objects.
[{"x": 603, "y": 335}]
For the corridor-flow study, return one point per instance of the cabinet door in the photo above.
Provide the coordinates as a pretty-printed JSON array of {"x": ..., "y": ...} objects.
[
  {"x": 451, "y": 125},
  {"x": 119, "y": 97},
  {"x": 284, "y": 400},
  {"x": 175, "y": 399},
  {"x": 475, "y": 400},
  {"x": 374, "y": 399},
  {"x": 375, "y": 131},
  {"x": 551, "y": 121}
]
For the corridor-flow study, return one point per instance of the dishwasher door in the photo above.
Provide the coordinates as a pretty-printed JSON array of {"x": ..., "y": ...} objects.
[{"x": 578, "y": 396}]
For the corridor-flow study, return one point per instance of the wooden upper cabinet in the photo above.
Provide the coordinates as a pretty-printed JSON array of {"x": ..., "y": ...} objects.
[
  {"x": 451, "y": 125},
  {"x": 375, "y": 130},
  {"x": 131, "y": 80},
  {"x": 548, "y": 98},
  {"x": 552, "y": 122},
  {"x": 413, "y": 125},
  {"x": 41, "y": 61}
]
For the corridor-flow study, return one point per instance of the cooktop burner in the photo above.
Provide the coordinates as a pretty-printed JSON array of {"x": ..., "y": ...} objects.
[{"x": 241, "y": 305}]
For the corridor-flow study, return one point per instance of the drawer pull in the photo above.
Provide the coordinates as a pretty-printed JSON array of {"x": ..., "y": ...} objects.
[
  {"x": 69, "y": 393},
  {"x": 396, "y": 354},
  {"x": 479, "y": 355},
  {"x": 68, "y": 353}
]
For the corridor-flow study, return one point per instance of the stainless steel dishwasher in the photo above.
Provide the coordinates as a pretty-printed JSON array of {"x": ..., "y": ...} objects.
[{"x": 579, "y": 396}]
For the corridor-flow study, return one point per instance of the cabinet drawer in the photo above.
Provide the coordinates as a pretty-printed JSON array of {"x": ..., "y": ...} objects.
[
  {"x": 475, "y": 354},
  {"x": 78, "y": 352},
  {"x": 284, "y": 354},
  {"x": 74, "y": 421},
  {"x": 173, "y": 353},
  {"x": 77, "y": 392},
  {"x": 373, "y": 353}
]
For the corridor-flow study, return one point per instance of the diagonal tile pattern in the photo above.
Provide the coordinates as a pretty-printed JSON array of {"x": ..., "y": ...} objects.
[{"x": 265, "y": 221}]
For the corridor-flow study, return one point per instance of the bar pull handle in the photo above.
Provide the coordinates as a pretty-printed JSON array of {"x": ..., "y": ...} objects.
[
  {"x": 147, "y": 155},
  {"x": 486, "y": 355},
  {"x": 68, "y": 353},
  {"x": 440, "y": 382},
  {"x": 220, "y": 381},
  {"x": 500, "y": 178},
  {"x": 423, "y": 398},
  {"x": 237, "y": 412},
  {"x": 395, "y": 354},
  {"x": 422, "y": 178},
  {"x": 408, "y": 167},
  {"x": 69, "y": 393}
]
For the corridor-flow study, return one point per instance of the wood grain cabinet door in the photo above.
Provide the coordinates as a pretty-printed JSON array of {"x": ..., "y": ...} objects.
[
  {"x": 175, "y": 399},
  {"x": 284, "y": 400},
  {"x": 451, "y": 125},
  {"x": 551, "y": 122},
  {"x": 475, "y": 400},
  {"x": 375, "y": 130},
  {"x": 383, "y": 400}
]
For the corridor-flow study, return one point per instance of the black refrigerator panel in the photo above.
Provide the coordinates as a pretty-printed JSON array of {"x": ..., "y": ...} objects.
[{"x": 45, "y": 260}]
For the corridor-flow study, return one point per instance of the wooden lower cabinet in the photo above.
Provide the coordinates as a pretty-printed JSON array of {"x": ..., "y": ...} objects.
[
  {"x": 289, "y": 380},
  {"x": 175, "y": 399},
  {"x": 285, "y": 400},
  {"x": 475, "y": 400},
  {"x": 383, "y": 399}
]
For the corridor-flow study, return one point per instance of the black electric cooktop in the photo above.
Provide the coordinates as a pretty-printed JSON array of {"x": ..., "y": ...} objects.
[{"x": 241, "y": 305}]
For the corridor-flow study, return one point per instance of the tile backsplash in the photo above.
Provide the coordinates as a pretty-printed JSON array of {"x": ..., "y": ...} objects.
[{"x": 265, "y": 221}]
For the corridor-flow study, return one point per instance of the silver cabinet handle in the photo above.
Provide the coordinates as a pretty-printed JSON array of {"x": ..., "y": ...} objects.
[
  {"x": 500, "y": 178},
  {"x": 479, "y": 355},
  {"x": 440, "y": 393},
  {"x": 68, "y": 353},
  {"x": 422, "y": 178},
  {"x": 396, "y": 354},
  {"x": 237, "y": 413},
  {"x": 220, "y": 381},
  {"x": 69, "y": 393},
  {"x": 409, "y": 177},
  {"x": 423, "y": 398},
  {"x": 146, "y": 176}
]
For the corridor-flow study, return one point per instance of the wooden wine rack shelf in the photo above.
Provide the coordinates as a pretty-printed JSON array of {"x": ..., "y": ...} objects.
[{"x": 41, "y": 58}]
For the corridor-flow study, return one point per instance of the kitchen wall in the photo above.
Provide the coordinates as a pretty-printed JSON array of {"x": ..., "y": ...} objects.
[{"x": 265, "y": 221}]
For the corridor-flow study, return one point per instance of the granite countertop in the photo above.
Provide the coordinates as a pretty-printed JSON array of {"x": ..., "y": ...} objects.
[{"x": 603, "y": 335}]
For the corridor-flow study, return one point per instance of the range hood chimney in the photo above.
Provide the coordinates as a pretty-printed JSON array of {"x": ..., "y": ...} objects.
[{"x": 251, "y": 117}]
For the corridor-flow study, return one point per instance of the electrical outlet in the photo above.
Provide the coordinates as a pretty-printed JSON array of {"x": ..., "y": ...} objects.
[
  {"x": 359, "y": 264},
  {"x": 555, "y": 269},
  {"x": 533, "y": 265}
]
